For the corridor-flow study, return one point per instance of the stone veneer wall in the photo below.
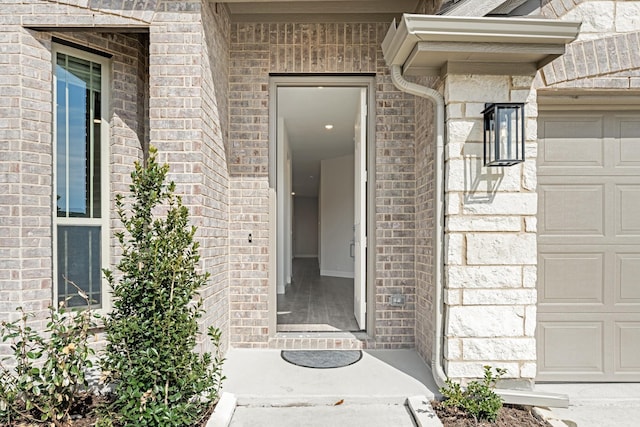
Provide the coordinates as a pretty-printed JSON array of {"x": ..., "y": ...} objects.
[
  {"x": 491, "y": 251},
  {"x": 490, "y": 294},
  {"x": 258, "y": 49}
]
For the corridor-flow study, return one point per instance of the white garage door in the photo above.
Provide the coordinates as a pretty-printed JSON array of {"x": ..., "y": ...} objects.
[{"x": 589, "y": 246}]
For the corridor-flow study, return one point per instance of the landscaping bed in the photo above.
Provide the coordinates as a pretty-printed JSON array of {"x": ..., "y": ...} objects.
[
  {"x": 508, "y": 416},
  {"x": 84, "y": 414},
  {"x": 150, "y": 359}
]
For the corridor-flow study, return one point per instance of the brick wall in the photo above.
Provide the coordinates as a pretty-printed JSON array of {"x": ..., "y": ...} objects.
[
  {"x": 215, "y": 204},
  {"x": 248, "y": 195},
  {"x": 425, "y": 223},
  {"x": 256, "y": 50},
  {"x": 185, "y": 115},
  {"x": 25, "y": 165},
  {"x": 607, "y": 52},
  {"x": 188, "y": 76},
  {"x": 26, "y": 142}
]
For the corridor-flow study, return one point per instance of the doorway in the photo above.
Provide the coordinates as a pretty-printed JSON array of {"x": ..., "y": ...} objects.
[{"x": 321, "y": 132}]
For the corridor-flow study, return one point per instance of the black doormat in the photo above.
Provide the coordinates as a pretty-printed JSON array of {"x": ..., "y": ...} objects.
[{"x": 322, "y": 359}]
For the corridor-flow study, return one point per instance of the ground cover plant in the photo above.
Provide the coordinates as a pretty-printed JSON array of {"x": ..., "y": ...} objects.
[
  {"x": 479, "y": 405},
  {"x": 44, "y": 381},
  {"x": 478, "y": 399},
  {"x": 152, "y": 330}
]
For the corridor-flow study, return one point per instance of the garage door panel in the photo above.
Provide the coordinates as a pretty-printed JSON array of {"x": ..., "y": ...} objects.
[
  {"x": 628, "y": 153},
  {"x": 569, "y": 141},
  {"x": 589, "y": 246},
  {"x": 572, "y": 209},
  {"x": 571, "y": 347},
  {"x": 628, "y": 278},
  {"x": 571, "y": 278},
  {"x": 627, "y": 215},
  {"x": 628, "y": 340}
]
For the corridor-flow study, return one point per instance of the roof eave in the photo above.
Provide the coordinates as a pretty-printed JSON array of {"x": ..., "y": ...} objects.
[{"x": 530, "y": 42}]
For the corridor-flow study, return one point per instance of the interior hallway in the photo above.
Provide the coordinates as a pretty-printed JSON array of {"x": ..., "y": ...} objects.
[{"x": 314, "y": 303}]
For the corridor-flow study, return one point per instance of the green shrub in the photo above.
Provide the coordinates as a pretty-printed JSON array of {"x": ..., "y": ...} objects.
[
  {"x": 45, "y": 378},
  {"x": 478, "y": 399},
  {"x": 151, "y": 333}
]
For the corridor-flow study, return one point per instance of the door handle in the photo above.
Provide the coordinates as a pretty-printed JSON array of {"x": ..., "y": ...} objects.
[{"x": 352, "y": 249}]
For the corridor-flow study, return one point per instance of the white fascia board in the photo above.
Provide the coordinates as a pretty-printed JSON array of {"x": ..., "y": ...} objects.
[{"x": 400, "y": 41}]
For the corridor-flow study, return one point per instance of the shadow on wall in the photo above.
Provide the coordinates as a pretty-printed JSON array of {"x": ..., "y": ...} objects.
[{"x": 480, "y": 183}]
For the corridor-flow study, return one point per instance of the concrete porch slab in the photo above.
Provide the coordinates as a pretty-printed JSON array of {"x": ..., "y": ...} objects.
[{"x": 260, "y": 377}]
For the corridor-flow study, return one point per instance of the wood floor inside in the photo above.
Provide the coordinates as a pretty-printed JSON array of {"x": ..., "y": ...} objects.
[{"x": 314, "y": 303}]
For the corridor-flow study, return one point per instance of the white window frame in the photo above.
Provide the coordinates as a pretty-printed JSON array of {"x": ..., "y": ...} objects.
[{"x": 105, "y": 202}]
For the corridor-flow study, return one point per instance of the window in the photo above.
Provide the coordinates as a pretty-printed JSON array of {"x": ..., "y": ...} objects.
[{"x": 81, "y": 175}]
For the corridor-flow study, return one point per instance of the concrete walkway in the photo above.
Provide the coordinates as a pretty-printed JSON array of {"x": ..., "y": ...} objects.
[
  {"x": 373, "y": 415},
  {"x": 371, "y": 392},
  {"x": 598, "y": 405}
]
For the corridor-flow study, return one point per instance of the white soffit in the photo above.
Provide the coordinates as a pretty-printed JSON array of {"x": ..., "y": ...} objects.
[
  {"x": 318, "y": 10},
  {"x": 473, "y": 8},
  {"x": 433, "y": 45}
]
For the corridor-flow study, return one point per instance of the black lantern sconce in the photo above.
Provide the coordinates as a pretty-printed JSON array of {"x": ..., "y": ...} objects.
[{"x": 503, "y": 134}]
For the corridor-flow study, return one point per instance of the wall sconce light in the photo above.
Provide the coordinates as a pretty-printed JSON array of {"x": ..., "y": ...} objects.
[{"x": 503, "y": 134}]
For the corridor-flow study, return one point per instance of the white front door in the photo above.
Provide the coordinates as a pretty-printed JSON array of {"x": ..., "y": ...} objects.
[{"x": 360, "y": 217}]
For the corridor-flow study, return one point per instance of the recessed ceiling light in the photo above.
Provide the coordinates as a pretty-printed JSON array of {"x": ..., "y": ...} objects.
[{"x": 328, "y": 127}]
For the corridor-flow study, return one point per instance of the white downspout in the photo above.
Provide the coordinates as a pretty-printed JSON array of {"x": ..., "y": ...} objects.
[
  {"x": 521, "y": 397},
  {"x": 436, "y": 97}
]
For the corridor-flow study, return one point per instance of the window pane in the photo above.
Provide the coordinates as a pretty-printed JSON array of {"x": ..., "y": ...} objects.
[
  {"x": 79, "y": 262},
  {"x": 96, "y": 171},
  {"x": 77, "y": 137}
]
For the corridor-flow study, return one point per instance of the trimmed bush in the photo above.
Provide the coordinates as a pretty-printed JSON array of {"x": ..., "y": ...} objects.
[{"x": 151, "y": 333}]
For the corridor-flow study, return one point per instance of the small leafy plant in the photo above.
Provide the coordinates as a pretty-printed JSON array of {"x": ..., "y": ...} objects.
[
  {"x": 152, "y": 331},
  {"x": 45, "y": 379},
  {"x": 478, "y": 399}
]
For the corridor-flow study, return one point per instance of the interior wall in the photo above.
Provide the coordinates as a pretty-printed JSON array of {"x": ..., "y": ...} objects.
[
  {"x": 336, "y": 206},
  {"x": 305, "y": 227}
]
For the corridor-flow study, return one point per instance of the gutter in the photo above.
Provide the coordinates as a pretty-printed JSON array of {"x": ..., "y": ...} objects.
[
  {"x": 520, "y": 397},
  {"x": 436, "y": 97}
]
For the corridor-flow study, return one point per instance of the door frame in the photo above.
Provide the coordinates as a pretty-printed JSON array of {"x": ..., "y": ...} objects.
[{"x": 364, "y": 80}]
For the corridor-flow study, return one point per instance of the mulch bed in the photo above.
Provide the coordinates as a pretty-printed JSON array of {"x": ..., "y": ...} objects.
[
  {"x": 509, "y": 416},
  {"x": 85, "y": 414}
]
